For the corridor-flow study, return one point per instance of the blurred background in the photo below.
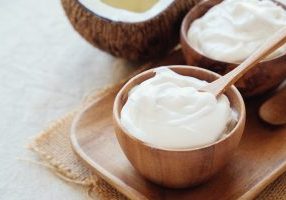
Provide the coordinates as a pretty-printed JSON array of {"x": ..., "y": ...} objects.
[{"x": 46, "y": 69}]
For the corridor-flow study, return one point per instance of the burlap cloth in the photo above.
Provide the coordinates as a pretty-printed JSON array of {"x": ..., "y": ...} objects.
[{"x": 54, "y": 149}]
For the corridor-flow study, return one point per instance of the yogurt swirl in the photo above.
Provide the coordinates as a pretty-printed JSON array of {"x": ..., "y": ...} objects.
[
  {"x": 232, "y": 30},
  {"x": 168, "y": 111}
]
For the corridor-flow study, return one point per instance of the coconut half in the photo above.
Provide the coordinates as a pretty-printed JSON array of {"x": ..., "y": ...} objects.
[{"x": 135, "y": 30}]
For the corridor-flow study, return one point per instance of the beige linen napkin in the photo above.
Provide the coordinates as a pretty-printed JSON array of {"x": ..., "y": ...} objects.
[{"x": 54, "y": 149}]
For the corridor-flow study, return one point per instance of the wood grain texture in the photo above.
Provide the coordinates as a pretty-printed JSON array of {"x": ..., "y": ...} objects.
[
  {"x": 265, "y": 76},
  {"x": 259, "y": 159},
  {"x": 178, "y": 168},
  {"x": 135, "y": 41}
]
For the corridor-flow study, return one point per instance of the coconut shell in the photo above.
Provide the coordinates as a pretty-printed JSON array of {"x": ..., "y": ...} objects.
[{"x": 144, "y": 40}]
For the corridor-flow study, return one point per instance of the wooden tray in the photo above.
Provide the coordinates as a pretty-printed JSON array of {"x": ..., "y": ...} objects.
[{"x": 260, "y": 158}]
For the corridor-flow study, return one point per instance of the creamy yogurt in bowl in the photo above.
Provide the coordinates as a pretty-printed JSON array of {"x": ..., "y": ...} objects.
[
  {"x": 232, "y": 30},
  {"x": 167, "y": 110},
  {"x": 173, "y": 134},
  {"x": 218, "y": 35}
]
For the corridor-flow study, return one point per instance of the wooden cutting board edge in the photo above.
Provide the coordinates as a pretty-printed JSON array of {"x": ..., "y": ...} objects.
[
  {"x": 252, "y": 193},
  {"x": 120, "y": 185},
  {"x": 131, "y": 192},
  {"x": 100, "y": 171}
]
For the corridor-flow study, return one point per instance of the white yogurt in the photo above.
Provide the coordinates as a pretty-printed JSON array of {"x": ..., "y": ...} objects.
[
  {"x": 168, "y": 111},
  {"x": 234, "y": 29}
]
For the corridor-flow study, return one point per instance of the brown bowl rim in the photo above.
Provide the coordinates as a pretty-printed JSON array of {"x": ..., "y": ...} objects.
[
  {"x": 185, "y": 26},
  {"x": 116, "y": 112}
]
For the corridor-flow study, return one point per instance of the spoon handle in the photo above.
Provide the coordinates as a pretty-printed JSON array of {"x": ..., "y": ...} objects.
[{"x": 220, "y": 85}]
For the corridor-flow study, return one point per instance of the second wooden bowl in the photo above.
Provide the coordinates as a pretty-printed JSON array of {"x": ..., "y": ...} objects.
[
  {"x": 178, "y": 168},
  {"x": 268, "y": 74}
]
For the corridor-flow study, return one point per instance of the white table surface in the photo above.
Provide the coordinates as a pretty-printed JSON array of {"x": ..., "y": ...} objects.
[{"x": 46, "y": 68}]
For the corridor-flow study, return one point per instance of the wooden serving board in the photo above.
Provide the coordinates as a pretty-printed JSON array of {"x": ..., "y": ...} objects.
[{"x": 260, "y": 158}]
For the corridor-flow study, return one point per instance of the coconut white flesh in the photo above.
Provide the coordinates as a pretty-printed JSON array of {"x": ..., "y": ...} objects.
[
  {"x": 118, "y": 14},
  {"x": 138, "y": 6}
]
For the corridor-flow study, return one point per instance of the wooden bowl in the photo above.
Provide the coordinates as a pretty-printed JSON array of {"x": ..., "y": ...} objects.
[
  {"x": 178, "y": 168},
  {"x": 267, "y": 75}
]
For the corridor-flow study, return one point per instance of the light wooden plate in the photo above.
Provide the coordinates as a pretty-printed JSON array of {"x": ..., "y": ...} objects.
[{"x": 260, "y": 158}]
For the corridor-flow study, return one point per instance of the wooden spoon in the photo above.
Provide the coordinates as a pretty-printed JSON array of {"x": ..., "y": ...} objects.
[
  {"x": 218, "y": 86},
  {"x": 273, "y": 111}
]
